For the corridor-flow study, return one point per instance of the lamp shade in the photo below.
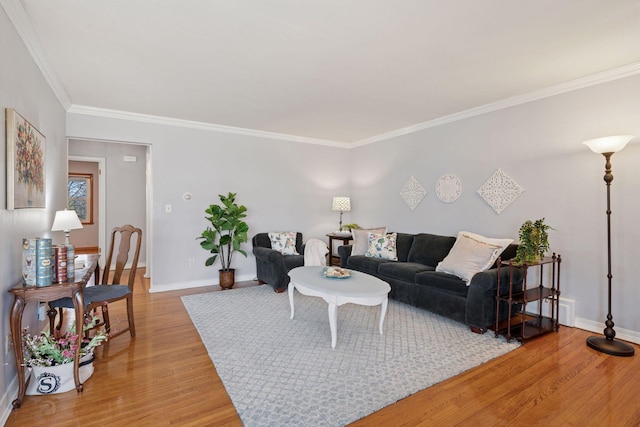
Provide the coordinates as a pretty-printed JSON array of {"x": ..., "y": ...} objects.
[
  {"x": 66, "y": 220},
  {"x": 608, "y": 144},
  {"x": 341, "y": 203}
]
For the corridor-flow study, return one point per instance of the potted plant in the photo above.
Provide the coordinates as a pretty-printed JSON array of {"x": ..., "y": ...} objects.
[
  {"x": 349, "y": 227},
  {"x": 225, "y": 235},
  {"x": 50, "y": 358},
  {"x": 534, "y": 242}
]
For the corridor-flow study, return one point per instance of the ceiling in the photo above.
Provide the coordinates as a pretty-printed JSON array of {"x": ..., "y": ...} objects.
[{"x": 335, "y": 70}]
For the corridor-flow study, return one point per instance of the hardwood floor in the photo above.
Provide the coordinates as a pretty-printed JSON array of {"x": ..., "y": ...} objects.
[{"x": 164, "y": 377}]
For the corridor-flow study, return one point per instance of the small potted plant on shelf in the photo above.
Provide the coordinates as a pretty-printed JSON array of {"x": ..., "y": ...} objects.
[
  {"x": 534, "y": 242},
  {"x": 225, "y": 236},
  {"x": 349, "y": 227}
]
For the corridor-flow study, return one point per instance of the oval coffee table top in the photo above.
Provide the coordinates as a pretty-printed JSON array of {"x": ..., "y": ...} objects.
[{"x": 358, "y": 285}]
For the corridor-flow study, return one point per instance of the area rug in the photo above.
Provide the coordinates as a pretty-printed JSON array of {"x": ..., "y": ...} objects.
[{"x": 283, "y": 372}]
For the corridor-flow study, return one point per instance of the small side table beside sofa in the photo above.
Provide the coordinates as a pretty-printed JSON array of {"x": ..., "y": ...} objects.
[{"x": 344, "y": 239}]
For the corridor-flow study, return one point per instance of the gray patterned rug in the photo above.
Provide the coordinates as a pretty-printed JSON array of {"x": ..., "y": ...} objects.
[{"x": 282, "y": 372}]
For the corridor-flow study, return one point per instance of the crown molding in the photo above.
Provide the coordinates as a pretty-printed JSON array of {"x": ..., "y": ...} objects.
[
  {"x": 571, "y": 85},
  {"x": 168, "y": 121},
  {"x": 18, "y": 17}
]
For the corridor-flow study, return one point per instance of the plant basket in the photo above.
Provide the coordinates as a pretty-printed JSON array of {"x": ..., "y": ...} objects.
[{"x": 58, "y": 378}]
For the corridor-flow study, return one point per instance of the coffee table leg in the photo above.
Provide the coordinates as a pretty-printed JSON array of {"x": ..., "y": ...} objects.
[
  {"x": 333, "y": 323},
  {"x": 291, "y": 288},
  {"x": 383, "y": 312}
]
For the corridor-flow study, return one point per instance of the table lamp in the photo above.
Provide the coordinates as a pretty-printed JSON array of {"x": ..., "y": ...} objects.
[
  {"x": 342, "y": 204},
  {"x": 66, "y": 221}
]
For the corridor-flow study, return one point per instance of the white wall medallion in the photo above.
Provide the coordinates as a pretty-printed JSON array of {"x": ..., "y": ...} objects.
[
  {"x": 413, "y": 193},
  {"x": 500, "y": 191},
  {"x": 448, "y": 188}
]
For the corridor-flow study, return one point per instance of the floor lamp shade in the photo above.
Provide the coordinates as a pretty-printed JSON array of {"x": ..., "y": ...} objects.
[
  {"x": 66, "y": 221},
  {"x": 608, "y": 344}
]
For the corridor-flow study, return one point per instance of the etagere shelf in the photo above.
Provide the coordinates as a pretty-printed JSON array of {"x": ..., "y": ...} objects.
[{"x": 521, "y": 324}]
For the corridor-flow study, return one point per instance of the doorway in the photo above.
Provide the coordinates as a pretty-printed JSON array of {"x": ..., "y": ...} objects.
[{"x": 123, "y": 190}]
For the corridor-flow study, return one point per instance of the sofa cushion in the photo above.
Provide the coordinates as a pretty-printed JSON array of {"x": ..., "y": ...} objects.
[
  {"x": 284, "y": 242},
  {"x": 361, "y": 239},
  {"x": 430, "y": 249},
  {"x": 382, "y": 246},
  {"x": 403, "y": 245},
  {"x": 446, "y": 282},
  {"x": 471, "y": 254},
  {"x": 405, "y": 271},
  {"x": 366, "y": 264}
]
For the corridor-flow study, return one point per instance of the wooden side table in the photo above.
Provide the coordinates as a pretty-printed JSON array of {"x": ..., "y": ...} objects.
[
  {"x": 23, "y": 294},
  {"x": 335, "y": 259}
]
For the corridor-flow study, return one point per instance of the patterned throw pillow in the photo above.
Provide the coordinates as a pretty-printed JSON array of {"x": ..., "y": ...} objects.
[
  {"x": 361, "y": 239},
  {"x": 382, "y": 246},
  {"x": 284, "y": 242}
]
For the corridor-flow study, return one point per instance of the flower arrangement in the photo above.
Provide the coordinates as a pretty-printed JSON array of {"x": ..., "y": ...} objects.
[{"x": 47, "y": 350}]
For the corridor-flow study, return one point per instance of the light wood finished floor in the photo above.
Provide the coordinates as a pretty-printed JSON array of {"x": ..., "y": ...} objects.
[{"x": 165, "y": 377}]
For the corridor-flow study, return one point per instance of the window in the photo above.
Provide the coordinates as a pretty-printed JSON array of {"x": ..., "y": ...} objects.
[{"x": 80, "y": 189}]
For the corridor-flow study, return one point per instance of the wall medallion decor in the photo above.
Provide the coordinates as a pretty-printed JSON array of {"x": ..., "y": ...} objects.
[
  {"x": 500, "y": 190},
  {"x": 25, "y": 163},
  {"x": 413, "y": 192},
  {"x": 448, "y": 188}
]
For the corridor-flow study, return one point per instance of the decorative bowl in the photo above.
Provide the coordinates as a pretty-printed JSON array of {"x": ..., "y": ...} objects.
[{"x": 336, "y": 273}]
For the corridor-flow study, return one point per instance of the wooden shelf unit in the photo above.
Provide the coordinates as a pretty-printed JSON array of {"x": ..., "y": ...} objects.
[{"x": 523, "y": 325}]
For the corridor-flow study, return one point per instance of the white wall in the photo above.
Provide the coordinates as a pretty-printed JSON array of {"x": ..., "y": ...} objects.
[
  {"x": 23, "y": 88},
  {"x": 539, "y": 145},
  {"x": 284, "y": 185}
]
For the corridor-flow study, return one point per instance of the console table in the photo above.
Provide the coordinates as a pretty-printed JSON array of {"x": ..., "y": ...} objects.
[
  {"x": 345, "y": 239},
  {"x": 23, "y": 294}
]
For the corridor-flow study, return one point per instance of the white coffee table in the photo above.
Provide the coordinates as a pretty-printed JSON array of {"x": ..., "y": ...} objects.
[{"x": 360, "y": 288}]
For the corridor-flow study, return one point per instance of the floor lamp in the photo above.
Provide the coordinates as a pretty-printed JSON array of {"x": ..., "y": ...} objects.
[{"x": 607, "y": 344}]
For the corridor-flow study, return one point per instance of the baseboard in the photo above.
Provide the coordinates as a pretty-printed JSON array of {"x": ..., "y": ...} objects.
[
  {"x": 193, "y": 284},
  {"x": 598, "y": 328},
  {"x": 7, "y": 398},
  {"x": 567, "y": 314}
]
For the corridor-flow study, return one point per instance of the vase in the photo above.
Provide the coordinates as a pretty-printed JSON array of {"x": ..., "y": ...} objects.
[
  {"x": 59, "y": 378},
  {"x": 227, "y": 278}
]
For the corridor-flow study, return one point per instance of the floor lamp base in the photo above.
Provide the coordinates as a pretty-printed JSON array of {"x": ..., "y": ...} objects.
[{"x": 612, "y": 347}]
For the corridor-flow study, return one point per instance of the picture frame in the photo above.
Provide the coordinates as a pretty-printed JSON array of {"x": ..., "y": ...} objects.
[
  {"x": 80, "y": 196},
  {"x": 26, "y": 149}
]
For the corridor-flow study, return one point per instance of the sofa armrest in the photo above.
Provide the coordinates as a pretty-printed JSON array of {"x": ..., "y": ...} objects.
[
  {"x": 268, "y": 254},
  {"x": 345, "y": 252},
  {"x": 481, "y": 297}
]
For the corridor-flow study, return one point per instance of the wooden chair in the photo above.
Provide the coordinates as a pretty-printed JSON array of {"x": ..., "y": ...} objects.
[{"x": 100, "y": 296}]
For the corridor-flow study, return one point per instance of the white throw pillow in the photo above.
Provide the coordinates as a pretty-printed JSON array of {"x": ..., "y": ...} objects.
[
  {"x": 361, "y": 239},
  {"x": 382, "y": 246},
  {"x": 284, "y": 242},
  {"x": 471, "y": 253}
]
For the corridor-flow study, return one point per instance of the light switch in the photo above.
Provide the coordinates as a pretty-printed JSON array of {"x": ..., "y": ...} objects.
[{"x": 167, "y": 208}]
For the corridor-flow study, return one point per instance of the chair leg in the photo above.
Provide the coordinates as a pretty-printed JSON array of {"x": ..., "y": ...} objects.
[
  {"x": 60, "y": 319},
  {"x": 52, "y": 319},
  {"x": 132, "y": 326},
  {"x": 105, "y": 318}
]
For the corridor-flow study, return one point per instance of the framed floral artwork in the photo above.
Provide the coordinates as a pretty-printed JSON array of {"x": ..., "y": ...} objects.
[{"x": 25, "y": 163}]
